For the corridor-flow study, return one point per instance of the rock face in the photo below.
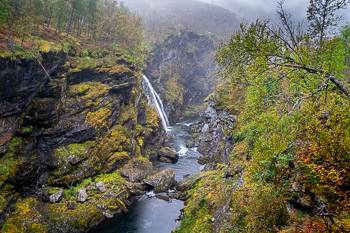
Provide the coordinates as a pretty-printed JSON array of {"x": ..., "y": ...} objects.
[
  {"x": 167, "y": 155},
  {"x": 64, "y": 131},
  {"x": 19, "y": 84},
  {"x": 213, "y": 135},
  {"x": 162, "y": 181},
  {"x": 182, "y": 69}
]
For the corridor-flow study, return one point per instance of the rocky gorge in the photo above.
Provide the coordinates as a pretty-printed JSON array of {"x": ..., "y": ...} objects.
[
  {"x": 66, "y": 131},
  {"x": 76, "y": 138}
]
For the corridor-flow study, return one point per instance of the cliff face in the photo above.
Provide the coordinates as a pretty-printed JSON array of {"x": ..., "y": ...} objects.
[
  {"x": 183, "y": 71},
  {"x": 67, "y": 132},
  {"x": 19, "y": 83}
]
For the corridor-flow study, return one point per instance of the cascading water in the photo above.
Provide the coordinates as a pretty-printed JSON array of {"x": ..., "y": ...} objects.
[{"x": 155, "y": 101}]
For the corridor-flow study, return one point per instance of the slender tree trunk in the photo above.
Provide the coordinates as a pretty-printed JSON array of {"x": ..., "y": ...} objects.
[
  {"x": 70, "y": 21},
  {"x": 10, "y": 27},
  {"x": 36, "y": 26}
]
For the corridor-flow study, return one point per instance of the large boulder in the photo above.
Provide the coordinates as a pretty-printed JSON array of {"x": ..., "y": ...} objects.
[
  {"x": 167, "y": 155},
  {"x": 136, "y": 170},
  {"x": 163, "y": 181}
]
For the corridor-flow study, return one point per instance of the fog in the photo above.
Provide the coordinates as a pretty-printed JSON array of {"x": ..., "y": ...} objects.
[
  {"x": 252, "y": 9},
  {"x": 218, "y": 17},
  {"x": 266, "y": 9}
]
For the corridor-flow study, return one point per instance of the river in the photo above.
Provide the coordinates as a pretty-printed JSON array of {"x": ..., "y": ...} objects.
[{"x": 150, "y": 214}]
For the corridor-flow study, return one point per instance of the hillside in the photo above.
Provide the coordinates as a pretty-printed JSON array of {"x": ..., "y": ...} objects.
[{"x": 163, "y": 18}]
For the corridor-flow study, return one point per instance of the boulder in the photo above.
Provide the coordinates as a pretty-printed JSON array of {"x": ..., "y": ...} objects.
[
  {"x": 101, "y": 186},
  {"x": 57, "y": 196},
  {"x": 107, "y": 214},
  {"x": 136, "y": 170},
  {"x": 161, "y": 182},
  {"x": 82, "y": 195},
  {"x": 190, "y": 143},
  {"x": 167, "y": 155}
]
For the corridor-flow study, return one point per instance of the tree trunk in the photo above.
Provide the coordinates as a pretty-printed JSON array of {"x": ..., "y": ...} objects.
[
  {"x": 10, "y": 28},
  {"x": 70, "y": 21}
]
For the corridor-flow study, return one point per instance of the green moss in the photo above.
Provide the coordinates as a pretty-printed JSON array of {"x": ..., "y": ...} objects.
[
  {"x": 25, "y": 218},
  {"x": 10, "y": 161},
  {"x": 152, "y": 118},
  {"x": 174, "y": 89},
  {"x": 79, "y": 150},
  {"x": 89, "y": 90},
  {"x": 115, "y": 177}
]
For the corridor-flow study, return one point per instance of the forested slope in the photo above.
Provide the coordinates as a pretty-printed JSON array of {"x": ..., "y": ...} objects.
[{"x": 289, "y": 92}]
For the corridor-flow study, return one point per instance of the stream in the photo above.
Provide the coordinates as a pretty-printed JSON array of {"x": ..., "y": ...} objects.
[{"x": 150, "y": 214}]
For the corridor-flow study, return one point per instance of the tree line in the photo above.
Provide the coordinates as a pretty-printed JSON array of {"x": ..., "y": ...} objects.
[{"x": 98, "y": 20}]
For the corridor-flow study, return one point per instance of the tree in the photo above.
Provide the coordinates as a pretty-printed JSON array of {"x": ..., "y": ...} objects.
[
  {"x": 60, "y": 15},
  {"x": 322, "y": 16}
]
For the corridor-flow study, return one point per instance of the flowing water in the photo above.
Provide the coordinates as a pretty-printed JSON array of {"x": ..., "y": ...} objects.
[
  {"x": 150, "y": 214},
  {"x": 155, "y": 101}
]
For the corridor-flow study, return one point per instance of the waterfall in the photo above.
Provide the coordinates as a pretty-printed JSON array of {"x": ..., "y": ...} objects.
[{"x": 155, "y": 101}]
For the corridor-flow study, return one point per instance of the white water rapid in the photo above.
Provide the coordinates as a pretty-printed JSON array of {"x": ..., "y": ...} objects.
[{"x": 155, "y": 101}]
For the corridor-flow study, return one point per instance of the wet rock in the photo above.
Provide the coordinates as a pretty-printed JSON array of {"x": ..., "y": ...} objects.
[
  {"x": 202, "y": 160},
  {"x": 137, "y": 188},
  {"x": 167, "y": 155},
  {"x": 107, "y": 214},
  {"x": 163, "y": 197},
  {"x": 136, "y": 170},
  {"x": 180, "y": 195},
  {"x": 101, "y": 186},
  {"x": 205, "y": 128},
  {"x": 163, "y": 181},
  {"x": 190, "y": 143},
  {"x": 82, "y": 195},
  {"x": 71, "y": 205},
  {"x": 57, "y": 196}
]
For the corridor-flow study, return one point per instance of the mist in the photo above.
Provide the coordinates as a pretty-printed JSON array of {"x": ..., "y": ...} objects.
[{"x": 250, "y": 10}]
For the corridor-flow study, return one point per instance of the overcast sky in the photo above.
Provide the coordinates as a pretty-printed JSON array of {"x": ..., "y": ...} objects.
[
  {"x": 261, "y": 8},
  {"x": 266, "y": 8}
]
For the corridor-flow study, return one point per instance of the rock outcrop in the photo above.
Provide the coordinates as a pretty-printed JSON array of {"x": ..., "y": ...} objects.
[{"x": 213, "y": 135}]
